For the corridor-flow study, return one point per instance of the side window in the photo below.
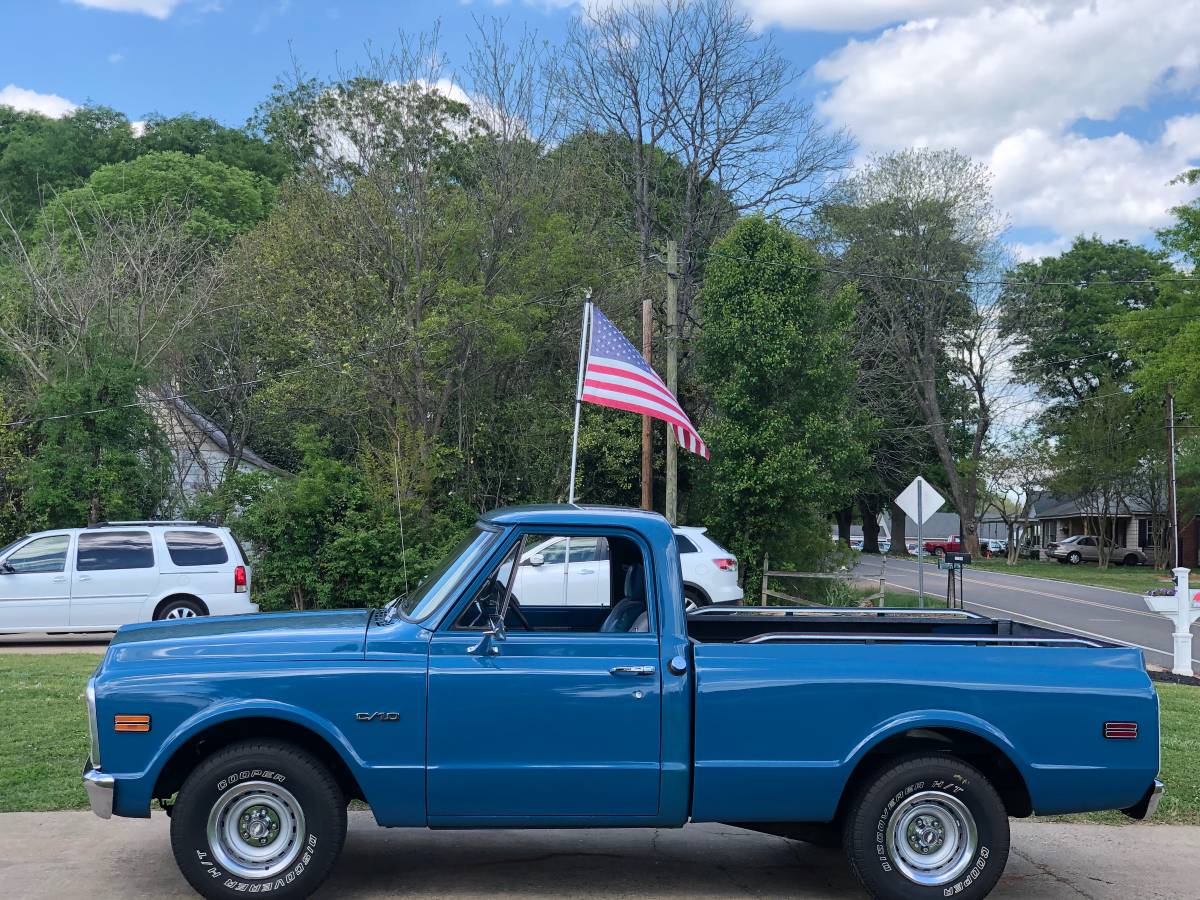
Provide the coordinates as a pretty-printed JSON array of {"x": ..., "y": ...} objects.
[
  {"x": 196, "y": 548},
  {"x": 555, "y": 554},
  {"x": 47, "y": 554},
  {"x": 684, "y": 544},
  {"x": 105, "y": 550},
  {"x": 603, "y": 589}
]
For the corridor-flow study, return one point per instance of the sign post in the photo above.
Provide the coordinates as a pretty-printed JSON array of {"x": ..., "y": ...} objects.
[{"x": 920, "y": 501}]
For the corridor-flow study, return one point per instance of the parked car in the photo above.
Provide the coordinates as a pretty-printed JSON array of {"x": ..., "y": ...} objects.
[
  {"x": 457, "y": 706},
  {"x": 105, "y": 576},
  {"x": 993, "y": 547},
  {"x": 940, "y": 548},
  {"x": 1084, "y": 548},
  {"x": 546, "y": 577}
]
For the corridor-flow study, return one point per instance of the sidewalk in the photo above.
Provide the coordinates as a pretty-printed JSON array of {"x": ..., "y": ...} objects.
[{"x": 74, "y": 854}]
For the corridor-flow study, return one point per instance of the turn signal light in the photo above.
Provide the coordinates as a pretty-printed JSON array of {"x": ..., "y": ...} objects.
[
  {"x": 131, "y": 723},
  {"x": 726, "y": 564},
  {"x": 239, "y": 580},
  {"x": 1120, "y": 731}
]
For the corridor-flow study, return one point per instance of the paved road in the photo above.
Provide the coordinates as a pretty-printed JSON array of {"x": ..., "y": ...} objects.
[
  {"x": 53, "y": 643},
  {"x": 1089, "y": 611},
  {"x": 73, "y": 854}
]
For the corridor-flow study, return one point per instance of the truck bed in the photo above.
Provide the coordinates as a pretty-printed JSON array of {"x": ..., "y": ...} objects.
[{"x": 758, "y": 625}]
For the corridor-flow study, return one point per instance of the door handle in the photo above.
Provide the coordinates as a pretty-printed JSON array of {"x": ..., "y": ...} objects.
[
  {"x": 585, "y": 572},
  {"x": 59, "y": 579},
  {"x": 85, "y": 578},
  {"x": 632, "y": 670}
]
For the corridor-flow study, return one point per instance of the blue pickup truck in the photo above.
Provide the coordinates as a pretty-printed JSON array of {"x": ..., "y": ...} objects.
[{"x": 909, "y": 738}]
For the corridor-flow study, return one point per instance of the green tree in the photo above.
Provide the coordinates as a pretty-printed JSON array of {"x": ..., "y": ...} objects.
[
  {"x": 1061, "y": 318},
  {"x": 221, "y": 201},
  {"x": 41, "y": 156},
  {"x": 774, "y": 350},
  {"x": 202, "y": 136},
  {"x": 92, "y": 467}
]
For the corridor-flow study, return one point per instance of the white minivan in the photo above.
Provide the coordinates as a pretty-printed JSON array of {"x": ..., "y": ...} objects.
[
  {"x": 547, "y": 577},
  {"x": 104, "y": 576}
]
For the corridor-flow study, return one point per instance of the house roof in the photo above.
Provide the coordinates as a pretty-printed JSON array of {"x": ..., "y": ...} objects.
[{"x": 214, "y": 433}]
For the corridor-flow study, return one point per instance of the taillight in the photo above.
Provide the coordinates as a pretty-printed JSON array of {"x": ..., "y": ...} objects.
[
  {"x": 239, "y": 580},
  {"x": 726, "y": 564}
]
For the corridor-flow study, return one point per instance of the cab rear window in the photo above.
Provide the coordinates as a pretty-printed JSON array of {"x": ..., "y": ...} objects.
[{"x": 196, "y": 548}]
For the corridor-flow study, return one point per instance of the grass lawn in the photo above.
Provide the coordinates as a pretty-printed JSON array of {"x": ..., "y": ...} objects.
[
  {"x": 1137, "y": 579},
  {"x": 44, "y": 741}
]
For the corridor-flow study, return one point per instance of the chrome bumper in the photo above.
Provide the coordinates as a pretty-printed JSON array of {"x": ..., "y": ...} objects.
[
  {"x": 100, "y": 788},
  {"x": 1144, "y": 808}
]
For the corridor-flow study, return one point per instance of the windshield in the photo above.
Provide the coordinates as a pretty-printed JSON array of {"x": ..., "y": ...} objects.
[{"x": 438, "y": 587}]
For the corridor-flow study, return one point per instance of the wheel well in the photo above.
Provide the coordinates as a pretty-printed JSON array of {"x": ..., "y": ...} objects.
[
  {"x": 989, "y": 759},
  {"x": 696, "y": 589},
  {"x": 162, "y": 604},
  {"x": 209, "y": 741}
]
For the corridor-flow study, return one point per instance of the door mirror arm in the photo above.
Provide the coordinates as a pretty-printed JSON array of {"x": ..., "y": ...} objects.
[
  {"x": 495, "y": 633},
  {"x": 6, "y": 569}
]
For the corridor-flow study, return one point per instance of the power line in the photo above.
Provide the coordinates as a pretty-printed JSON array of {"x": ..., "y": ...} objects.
[
  {"x": 543, "y": 299},
  {"x": 963, "y": 281}
]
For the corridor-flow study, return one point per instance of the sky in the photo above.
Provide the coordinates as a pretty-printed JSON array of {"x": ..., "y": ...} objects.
[{"x": 1084, "y": 110}]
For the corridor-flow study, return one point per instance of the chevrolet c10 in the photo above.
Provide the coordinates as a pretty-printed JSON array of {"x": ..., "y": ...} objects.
[{"x": 909, "y": 738}]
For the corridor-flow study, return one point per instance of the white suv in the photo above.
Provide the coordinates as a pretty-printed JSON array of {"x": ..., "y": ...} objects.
[
  {"x": 545, "y": 579},
  {"x": 105, "y": 576}
]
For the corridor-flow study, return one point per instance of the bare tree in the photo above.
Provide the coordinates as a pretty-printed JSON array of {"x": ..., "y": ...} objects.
[
  {"x": 107, "y": 283},
  {"x": 925, "y": 220},
  {"x": 694, "y": 82},
  {"x": 1015, "y": 473}
]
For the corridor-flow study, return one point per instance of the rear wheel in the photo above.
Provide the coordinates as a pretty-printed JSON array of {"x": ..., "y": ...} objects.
[
  {"x": 926, "y": 827},
  {"x": 180, "y": 608},
  {"x": 1132, "y": 560},
  {"x": 1074, "y": 557},
  {"x": 939, "y": 552},
  {"x": 258, "y": 816},
  {"x": 694, "y": 599}
]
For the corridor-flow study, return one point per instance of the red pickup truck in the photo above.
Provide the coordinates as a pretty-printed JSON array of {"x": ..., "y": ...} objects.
[{"x": 952, "y": 544}]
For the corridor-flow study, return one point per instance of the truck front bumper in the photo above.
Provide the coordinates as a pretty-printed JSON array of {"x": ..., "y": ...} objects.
[
  {"x": 100, "y": 789},
  {"x": 1144, "y": 808}
]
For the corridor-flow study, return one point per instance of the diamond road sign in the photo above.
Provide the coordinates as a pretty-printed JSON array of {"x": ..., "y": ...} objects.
[{"x": 931, "y": 500}]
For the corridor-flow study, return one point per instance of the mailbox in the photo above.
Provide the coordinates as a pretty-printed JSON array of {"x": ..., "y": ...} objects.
[
  {"x": 958, "y": 559},
  {"x": 1183, "y": 609}
]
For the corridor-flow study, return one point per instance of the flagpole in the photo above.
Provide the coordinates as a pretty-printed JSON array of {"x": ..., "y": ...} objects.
[{"x": 583, "y": 336}]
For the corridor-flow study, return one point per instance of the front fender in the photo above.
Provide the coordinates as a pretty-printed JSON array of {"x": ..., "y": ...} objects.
[{"x": 135, "y": 791}]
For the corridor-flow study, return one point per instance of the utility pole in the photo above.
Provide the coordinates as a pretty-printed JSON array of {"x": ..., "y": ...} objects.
[
  {"x": 647, "y": 433},
  {"x": 1171, "y": 505},
  {"x": 672, "y": 504}
]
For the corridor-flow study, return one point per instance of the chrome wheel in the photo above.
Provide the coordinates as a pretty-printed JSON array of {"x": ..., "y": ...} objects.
[
  {"x": 180, "y": 612},
  {"x": 256, "y": 829},
  {"x": 932, "y": 838}
]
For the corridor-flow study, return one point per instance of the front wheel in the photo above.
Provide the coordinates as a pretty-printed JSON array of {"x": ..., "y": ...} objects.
[
  {"x": 926, "y": 827},
  {"x": 258, "y": 816}
]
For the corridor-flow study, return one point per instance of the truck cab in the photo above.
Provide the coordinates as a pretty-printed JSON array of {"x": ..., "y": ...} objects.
[{"x": 457, "y": 706}]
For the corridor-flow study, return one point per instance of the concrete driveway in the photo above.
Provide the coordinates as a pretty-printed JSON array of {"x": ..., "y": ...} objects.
[{"x": 74, "y": 854}]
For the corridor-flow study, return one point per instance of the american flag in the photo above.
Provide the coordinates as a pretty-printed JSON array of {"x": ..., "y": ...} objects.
[{"x": 617, "y": 376}]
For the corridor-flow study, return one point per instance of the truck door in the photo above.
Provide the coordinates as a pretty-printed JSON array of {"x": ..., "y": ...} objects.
[{"x": 557, "y": 721}]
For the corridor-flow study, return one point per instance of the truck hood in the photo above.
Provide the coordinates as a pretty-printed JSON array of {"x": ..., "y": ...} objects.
[{"x": 335, "y": 633}]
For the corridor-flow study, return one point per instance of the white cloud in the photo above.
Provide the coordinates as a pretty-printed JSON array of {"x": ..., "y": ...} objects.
[
  {"x": 1008, "y": 83},
  {"x": 115, "y": 58},
  {"x": 840, "y": 15},
  {"x": 157, "y": 9},
  {"x": 50, "y": 105}
]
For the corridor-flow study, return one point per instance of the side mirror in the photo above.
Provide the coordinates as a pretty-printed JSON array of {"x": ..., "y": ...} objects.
[
  {"x": 487, "y": 642},
  {"x": 536, "y": 560},
  {"x": 6, "y": 569}
]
